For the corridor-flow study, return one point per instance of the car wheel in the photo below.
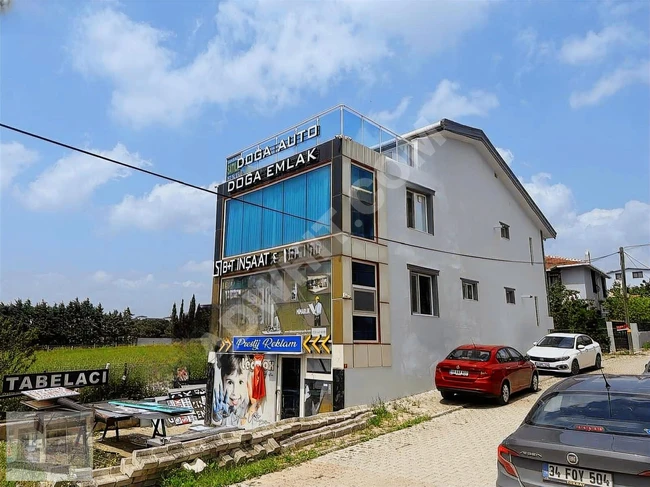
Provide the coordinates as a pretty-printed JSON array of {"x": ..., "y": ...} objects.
[
  {"x": 598, "y": 363},
  {"x": 504, "y": 398},
  {"x": 575, "y": 368},
  {"x": 447, "y": 395},
  {"x": 534, "y": 383}
]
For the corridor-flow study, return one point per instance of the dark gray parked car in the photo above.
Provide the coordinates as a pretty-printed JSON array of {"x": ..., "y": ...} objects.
[{"x": 591, "y": 431}]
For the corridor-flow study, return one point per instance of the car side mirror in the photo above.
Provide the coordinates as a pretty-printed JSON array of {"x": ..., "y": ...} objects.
[
  {"x": 581, "y": 347},
  {"x": 526, "y": 357},
  {"x": 534, "y": 344}
]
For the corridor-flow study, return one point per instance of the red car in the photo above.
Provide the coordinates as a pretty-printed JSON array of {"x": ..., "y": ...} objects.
[{"x": 490, "y": 370}]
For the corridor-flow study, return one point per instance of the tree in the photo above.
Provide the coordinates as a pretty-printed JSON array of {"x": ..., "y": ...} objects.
[
  {"x": 573, "y": 315},
  {"x": 17, "y": 345},
  {"x": 638, "y": 305},
  {"x": 642, "y": 289},
  {"x": 191, "y": 313}
]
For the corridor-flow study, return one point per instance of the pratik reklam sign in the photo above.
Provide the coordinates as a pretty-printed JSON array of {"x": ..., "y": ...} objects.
[{"x": 47, "y": 380}]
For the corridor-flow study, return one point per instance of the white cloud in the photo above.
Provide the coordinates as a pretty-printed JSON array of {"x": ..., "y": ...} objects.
[
  {"x": 165, "y": 206},
  {"x": 73, "y": 178},
  {"x": 134, "y": 283},
  {"x": 14, "y": 158},
  {"x": 507, "y": 155},
  {"x": 595, "y": 46},
  {"x": 204, "y": 267},
  {"x": 190, "y": 284},
  {"x": 447, "y": 102},
  {"x": 101, "y": 277},
  {"x": 534, "y": 51},
  {"x": 610, "y": 84},
  {"x": 387, "y": 117},
  {"x": 600, "y": 230},
  {"x": 264, "y": 56}
]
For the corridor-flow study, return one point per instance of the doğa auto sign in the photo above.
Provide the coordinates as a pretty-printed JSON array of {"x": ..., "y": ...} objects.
[
  {"x": 284, "y": 144},
  {"x": 271, "y": 171}
]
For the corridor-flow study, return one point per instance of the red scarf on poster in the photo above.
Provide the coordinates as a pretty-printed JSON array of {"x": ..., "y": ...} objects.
[{"x": 259, "y": 383}]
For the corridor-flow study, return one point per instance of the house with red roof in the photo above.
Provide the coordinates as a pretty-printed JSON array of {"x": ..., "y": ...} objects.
[{"x": 578, "y": 275}]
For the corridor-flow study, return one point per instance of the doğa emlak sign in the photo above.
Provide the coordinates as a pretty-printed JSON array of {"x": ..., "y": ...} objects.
[
  {"x": 47, "y": 380},
  {"x": 274, "y": 170}
]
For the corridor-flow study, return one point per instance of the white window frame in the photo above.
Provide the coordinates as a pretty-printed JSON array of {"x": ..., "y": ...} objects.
[
  {"x": 435, "y": 305},
  {"x": 414, "y": 195},
  {"x": 511, "y": 291},
  {"x": 469, "y": 284},
  {"x": 506, "y": 227},
  {"x": 374, "y": 314},
  {"x": 639, "y": 275}
]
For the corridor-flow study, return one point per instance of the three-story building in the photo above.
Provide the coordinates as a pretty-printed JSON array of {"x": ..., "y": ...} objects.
[{"x": 350, "y": 260}]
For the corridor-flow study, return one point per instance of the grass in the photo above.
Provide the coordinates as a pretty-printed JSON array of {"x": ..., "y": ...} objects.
[
  {"x": 384, "y": 420},
  {"x": 191, "y": 354},
  {"x": 216, "y": 477}
]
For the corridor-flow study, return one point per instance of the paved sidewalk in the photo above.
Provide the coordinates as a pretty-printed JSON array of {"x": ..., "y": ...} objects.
[{"x": 455, "y": 450}]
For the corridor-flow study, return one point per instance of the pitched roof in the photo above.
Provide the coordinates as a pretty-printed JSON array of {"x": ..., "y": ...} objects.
[{"x": 553, "y": 261}]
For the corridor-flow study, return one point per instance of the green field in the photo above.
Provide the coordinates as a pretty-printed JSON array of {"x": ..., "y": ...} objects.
[{"x": 163, "y": 358}]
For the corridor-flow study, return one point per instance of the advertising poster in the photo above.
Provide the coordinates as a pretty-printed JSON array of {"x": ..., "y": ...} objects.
[
  {"x": 281, "y": 301},
  {"x": 244, "y": 390},
  {"x": 318, "y": 397}
]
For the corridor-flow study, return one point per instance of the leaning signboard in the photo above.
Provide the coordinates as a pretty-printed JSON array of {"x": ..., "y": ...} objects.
[{"x": 46, "y": 380}]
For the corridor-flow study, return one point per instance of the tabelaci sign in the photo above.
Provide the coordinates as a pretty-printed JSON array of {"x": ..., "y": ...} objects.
[
  {"x": 263, "y": 152},
  {"x": 265, "y": 259},
  {"x": 47, "y": 380},
  {"x": 267, "y": 344},
  {"x": 272, "y": 171}
]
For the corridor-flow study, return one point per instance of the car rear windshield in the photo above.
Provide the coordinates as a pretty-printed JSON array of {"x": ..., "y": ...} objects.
[
  {"x": 625, "y": 414},
  {"x": 556, "y": 342},
  {"x": 473, "y": 354}
]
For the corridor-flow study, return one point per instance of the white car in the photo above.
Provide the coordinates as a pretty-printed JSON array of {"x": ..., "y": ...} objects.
[{"x": 566, "y": 352}]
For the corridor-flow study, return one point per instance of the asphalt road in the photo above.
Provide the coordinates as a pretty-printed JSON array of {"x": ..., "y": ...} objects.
[{"x": 455, "y": 450}]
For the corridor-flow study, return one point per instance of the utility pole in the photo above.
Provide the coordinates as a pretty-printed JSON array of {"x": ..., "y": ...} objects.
[{"x": 621, "y": 253}]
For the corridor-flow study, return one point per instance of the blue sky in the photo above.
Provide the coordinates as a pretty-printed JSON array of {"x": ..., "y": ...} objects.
[{"x": 560, "y": 87}]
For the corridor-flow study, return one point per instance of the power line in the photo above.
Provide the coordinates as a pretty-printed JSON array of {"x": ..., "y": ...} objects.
[
  {"x": 637, "y": 246},
  {"x": 637, "y": 261},
  {"x": 227, "y": 197}
]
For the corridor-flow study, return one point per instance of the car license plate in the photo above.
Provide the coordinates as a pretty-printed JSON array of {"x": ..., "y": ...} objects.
[
  {"x": 459, "y": 372},
  {"x": 543, "y": 365},
  {"x": 576, "y": 476}
]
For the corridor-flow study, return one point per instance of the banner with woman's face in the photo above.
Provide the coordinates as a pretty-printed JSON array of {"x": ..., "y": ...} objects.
[{"x": 244, "y": 390}]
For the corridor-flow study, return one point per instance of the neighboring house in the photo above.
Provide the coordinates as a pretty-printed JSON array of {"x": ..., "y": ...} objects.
[
  {"x": 413, "y": 245},
  {"x": 578, "y": 275},
  {"x": 634, "y": 276}
]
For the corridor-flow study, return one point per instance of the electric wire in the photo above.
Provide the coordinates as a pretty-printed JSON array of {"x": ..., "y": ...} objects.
[
  {"x": 637, "y": 261},
  {"x": 228, "y": 197}
]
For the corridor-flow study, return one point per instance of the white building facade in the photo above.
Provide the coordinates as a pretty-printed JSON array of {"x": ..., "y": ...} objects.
[
  {"x": 634, "y": 276},
  {"x": 345, "y": 271}
]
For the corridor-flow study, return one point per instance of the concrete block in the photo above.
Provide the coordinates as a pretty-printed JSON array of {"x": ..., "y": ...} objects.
[
  {"x": 102, "y": 472},
  {"x": 239, "y": 456},
  {"x": 258, "y": 451},
  {"x": 123, "y": 480},
  {"x": 271, "y": 446},
  {"x": 358, "y": 248},
  {"x": 166, "y": 460},
  {"x": 106, "y": 481},
  {"x": 372, "y": 252},
  {"x": 226, "y": 461}
]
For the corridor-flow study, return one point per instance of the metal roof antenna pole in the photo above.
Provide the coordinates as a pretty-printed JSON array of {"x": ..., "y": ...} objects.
[{"x": 621, "y": 252}]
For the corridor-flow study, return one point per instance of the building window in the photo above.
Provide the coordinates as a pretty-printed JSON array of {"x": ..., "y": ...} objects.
[
  {"x": 424, "y": 293},
  {"x": 419, "y": 211},
  {"x": 364, "y": 302},
  {"x": 319, "y": 366},
  {"x": 618, "y": 276},
  {"x": 505, "y": 231},
  {"x": 530, "y": 247},
  {"x": 510, "y": 295},
  {"x": 554, "y": 278},
  {"x": 470, "y": 289},
  {"x": 289, "y": 211},
  {"x": 637, "y": 274},
  {"x": 536, "y": 310},
  {"x": 362, "y": 203}
]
